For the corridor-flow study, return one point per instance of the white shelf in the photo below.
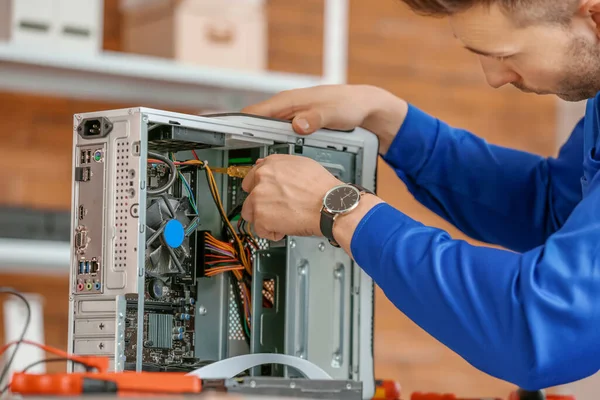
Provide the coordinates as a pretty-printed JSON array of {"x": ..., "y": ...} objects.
[
  {"x": 140, "y": 80},
  {"x": 34, "y": 256}
]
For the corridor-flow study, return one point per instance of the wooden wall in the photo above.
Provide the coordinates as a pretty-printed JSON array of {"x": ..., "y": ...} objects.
[{"x": 414, "y": 57}]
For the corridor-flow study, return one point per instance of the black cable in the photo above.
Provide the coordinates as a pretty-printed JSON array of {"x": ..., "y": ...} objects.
[
  {"x": 230, "y": 216},
  {"x": 27, "y": 322}
]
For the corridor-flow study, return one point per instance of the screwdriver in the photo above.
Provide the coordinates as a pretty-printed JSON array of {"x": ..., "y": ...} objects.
[{"x": 234, "y": 171}]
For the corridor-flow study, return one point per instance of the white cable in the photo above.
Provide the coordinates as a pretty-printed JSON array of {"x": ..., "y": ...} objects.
[{"x": 233, "y": 366}]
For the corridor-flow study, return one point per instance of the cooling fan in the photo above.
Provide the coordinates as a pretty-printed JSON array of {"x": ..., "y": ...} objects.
[{"x": 168, "y": 227}]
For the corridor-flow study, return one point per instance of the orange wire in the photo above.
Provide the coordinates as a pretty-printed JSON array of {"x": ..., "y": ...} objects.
[
  {"x": 89, "y": 361},
  {"x": 49, "y": 349},
  {"x": 220, "y": 270}
]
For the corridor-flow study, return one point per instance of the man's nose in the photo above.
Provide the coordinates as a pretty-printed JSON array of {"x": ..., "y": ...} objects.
[{"x": 497, "y": 73}]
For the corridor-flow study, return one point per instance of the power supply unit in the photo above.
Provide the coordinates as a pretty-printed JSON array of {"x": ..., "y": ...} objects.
[{"x": 167, "y": 276}]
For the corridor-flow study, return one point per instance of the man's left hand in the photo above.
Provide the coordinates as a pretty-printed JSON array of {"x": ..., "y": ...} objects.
[{"x": 285, "y": 196}]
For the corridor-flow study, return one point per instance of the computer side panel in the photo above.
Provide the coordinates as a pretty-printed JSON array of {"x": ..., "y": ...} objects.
[{"x": 106, "y": 218}]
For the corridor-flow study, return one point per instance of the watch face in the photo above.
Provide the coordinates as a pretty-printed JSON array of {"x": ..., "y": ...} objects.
[{"x": 341, "y": 199}]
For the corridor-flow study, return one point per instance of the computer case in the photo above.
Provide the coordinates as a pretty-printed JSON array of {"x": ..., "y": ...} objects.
[{"x": 129, "y": 269}]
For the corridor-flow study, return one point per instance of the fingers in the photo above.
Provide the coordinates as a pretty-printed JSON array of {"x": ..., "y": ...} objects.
[
  {"x": 249, "y": 181},
  {"x": 248, "y": 209},
  {"x": 263, "y": 233},
  {"x": 308, "y": 122},
  {"x": 282, "y": 105},
  {"x": 273, "y": 236},
  {"x": 249, "y": 216}
]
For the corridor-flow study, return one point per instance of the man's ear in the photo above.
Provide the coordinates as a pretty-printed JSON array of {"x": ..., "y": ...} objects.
[{"x": 591, "y": 9}]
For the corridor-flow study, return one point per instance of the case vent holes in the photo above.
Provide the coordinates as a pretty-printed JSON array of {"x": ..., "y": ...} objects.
[
  {"x": 123, "y": 203},
  {"x": 236, "y": 331}
]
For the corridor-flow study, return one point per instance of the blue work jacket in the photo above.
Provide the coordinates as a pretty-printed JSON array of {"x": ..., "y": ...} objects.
[{"x": 529, "y": 315}]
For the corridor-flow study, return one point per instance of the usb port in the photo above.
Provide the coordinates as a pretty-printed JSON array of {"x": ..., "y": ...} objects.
[
  {"x": 82, "y": 156},
  {"x": 88, "y": 156},
  {"x": 81, "y": 267},
  {"x": 87, "y": 267},
  {"x": 83, "y": 174}
]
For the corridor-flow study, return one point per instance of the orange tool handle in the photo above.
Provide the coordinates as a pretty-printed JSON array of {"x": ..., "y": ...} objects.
[
  {"x": 387, "y": 390},
  {"x": 432, "y": 396},
  {"x": 516, "y": 395},
  {"x": 60, "y": 384},
  {"x": 75, "y": 384},
  {"x": 446, "y": 396}
]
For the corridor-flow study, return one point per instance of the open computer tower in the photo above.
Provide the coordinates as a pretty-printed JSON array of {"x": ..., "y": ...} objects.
[{"x": 153, "y": 282}]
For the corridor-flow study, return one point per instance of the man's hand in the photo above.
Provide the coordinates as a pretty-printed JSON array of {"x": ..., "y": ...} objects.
[
  {"x": 286, "y": 195},
  {"x": 341, "y": 107}
]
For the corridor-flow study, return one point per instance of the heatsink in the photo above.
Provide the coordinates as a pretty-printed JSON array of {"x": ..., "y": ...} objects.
[{"x": 160, "y": 327}]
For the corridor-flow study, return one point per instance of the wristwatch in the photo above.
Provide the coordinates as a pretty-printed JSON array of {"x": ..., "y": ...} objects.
[{"x": 339, "y": 200}]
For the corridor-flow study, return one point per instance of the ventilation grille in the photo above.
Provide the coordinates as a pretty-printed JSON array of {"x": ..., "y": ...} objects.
[
  {"x": 124, "y": 194},
  {"x": 159, "y": 331},
  {"x": 236, "y": 330},
  {"x": 263, "y": 244},
  {"x": 269, "y": 290}
]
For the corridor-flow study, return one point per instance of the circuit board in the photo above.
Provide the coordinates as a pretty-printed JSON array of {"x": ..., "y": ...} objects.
[
  {"x": 235, "y": 194},
  {"x": 169, "y": 336},
  {"x": 158, "y": 175}
]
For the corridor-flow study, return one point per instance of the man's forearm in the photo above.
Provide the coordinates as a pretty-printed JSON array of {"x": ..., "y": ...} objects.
[
  {"x": 386, "y": 117},
  {"x": 483, "y": 302}
]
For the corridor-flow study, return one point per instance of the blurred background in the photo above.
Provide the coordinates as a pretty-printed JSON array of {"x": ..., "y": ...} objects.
[{"x": 60, "y": 57}]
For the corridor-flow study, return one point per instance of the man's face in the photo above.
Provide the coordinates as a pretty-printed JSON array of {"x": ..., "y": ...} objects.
[{"x": 543, "y": 58}]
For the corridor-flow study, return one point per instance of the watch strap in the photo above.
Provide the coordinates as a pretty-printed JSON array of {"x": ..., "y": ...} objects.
[{"x": 326, "y": 225}]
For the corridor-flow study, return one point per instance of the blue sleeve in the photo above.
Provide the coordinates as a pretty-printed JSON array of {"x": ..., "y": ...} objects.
[
  {"x": 491, "y": 193},
  {"x": 532, "y": 319}
]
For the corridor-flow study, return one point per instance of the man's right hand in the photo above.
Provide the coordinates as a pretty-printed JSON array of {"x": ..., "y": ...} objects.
[{"x": 342, "y": 107}]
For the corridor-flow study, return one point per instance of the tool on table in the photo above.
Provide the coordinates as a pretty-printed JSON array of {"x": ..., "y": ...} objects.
[
  {"x": 522, "y": 394},
  {"x": 519, "y": 394},
  {"x": 387, "y": 390},
  {"x": 86, "y": 383}
]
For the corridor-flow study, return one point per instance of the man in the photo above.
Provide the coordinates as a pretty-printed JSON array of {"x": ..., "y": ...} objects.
[{"x": 531, "y": 315}]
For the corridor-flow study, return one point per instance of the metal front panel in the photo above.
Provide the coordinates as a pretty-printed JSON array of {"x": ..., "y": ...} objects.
[
  {"x": 212, "y": 322},
  {"x": 318, "y": 312},
  {"x": 268, "y": 323}
]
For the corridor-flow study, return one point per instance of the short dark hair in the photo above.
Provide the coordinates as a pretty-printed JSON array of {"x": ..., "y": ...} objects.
[{"x": 524, "y": 11}]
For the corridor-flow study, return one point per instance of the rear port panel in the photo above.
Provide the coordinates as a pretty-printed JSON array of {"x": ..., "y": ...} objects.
[{"x": 88, "y": 241}]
